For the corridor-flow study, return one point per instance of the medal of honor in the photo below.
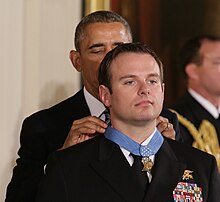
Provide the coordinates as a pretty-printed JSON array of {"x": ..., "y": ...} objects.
[
  {"x": 145, "y": 151},
  {"x": 148, "y": 164}
]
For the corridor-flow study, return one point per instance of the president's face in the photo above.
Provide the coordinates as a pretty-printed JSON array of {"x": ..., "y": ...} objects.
[{"x": 98, "y": 40}]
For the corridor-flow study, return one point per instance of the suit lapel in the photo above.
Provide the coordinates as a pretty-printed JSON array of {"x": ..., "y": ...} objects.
[
  {"x": 116, "y": 171},
  {"x": 167, "y": 172}
]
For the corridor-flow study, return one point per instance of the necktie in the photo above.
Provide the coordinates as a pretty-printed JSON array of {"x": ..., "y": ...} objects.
[
  {"x": 107, "y": 117},
  {"x": 140, "y": 175}
]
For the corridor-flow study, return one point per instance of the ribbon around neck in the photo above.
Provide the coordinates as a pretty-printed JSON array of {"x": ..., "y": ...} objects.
[{"x": 135, "y": 148}]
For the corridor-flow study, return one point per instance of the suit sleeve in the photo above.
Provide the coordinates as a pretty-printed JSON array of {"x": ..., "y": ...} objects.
[
  {"x": 176, "y": 127},
  {"x": 29, "y": 170},
  {"x": 52, "y": 186}
]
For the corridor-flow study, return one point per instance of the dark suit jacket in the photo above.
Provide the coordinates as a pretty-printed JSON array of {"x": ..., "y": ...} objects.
[
  {"x": 41, "y": 134},
  {"x": 97, "y": 170},
  {"x": 188, "y": 107}
]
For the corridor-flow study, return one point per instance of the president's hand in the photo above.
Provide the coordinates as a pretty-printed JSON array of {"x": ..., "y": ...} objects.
[
  {"x": 84, "y": 129},
  {"x": 165, "y": 127}
]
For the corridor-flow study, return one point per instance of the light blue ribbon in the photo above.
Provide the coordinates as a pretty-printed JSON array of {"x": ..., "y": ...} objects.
[{"x": 127, "y": 143}]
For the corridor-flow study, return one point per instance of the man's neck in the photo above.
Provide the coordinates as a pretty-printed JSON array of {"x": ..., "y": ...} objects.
[
  {"x": 95, "y": 106},
  {"x": 138, "y": 133},
  {"x": 214, "y": 100},
  {"x": 206, "y": 104},
  {"x": 92, "y": 91}
]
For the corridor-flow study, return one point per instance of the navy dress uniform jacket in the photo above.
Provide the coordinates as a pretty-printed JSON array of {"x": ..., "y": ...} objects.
[
  {"x": 189, "y": 108},
  {"x": 97, "y": 170}
]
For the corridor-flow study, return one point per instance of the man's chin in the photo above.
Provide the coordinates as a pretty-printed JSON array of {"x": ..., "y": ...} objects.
[
  {"x": 147, "y": 115},
  {"x": 145, "y": 119}
]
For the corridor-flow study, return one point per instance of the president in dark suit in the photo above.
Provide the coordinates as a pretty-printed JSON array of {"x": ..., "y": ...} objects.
[
  {"x": 107, "y": 168},
  {"x": 75, "y": 119}
]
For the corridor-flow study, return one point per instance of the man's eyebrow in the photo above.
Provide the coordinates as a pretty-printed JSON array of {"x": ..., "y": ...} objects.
[
  {"x": 96, "y": 45},
  {"x": 134, "y": 76},
  {"x": 154, "y": 75},
  {"x": 127, "y": 76}
]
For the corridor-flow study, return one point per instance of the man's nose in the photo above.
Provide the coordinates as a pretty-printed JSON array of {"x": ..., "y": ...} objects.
[{"x": 144, "y": 89}]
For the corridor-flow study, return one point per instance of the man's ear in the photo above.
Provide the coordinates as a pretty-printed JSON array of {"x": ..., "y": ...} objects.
[
  {"x": 191, "y": 71},
  {"x": 75, "y": 59},
  {"x": 104, "y": 95}
]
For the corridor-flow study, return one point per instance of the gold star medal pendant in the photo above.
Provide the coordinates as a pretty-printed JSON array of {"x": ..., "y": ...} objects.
[{"x": 147, "y": 163}]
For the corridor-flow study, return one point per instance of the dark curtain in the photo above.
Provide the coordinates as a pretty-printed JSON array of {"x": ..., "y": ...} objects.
[{"x": 164, "y": 25}]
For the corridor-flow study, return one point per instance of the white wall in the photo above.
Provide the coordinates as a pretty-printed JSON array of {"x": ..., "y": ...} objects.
[{"x": 35, "y": 72}]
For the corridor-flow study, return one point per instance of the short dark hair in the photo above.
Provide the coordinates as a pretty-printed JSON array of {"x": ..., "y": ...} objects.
[
  {"x": 95, "y": 17},
  {"x": 189, "y": 53},
  {"x": 104, "y": 75}
]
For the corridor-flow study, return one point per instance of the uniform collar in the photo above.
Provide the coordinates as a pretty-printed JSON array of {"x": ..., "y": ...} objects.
[{"x": 205, "y": 103}]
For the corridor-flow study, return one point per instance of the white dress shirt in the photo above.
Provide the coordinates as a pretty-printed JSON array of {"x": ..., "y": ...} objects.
[
  {"x": 95, "y": 106},
  {"x": 205, "y": 103}
]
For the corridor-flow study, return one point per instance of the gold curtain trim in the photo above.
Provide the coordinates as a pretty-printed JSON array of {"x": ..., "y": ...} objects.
[{"x": 95, "y": 5}]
